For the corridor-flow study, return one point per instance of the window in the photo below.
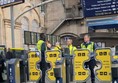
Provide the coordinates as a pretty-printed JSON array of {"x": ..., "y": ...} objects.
[{"x": 25, "y": 27}]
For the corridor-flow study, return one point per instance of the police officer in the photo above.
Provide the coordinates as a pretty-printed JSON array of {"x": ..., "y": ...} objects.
[
  {"x": 70, "y": 46},
  {"x": 58, "y": 47},
  {"x": 92, "y": 63},
  {"x": 9, "y": 54},
  {"x": 41, "y": 46},
  {"x": 71, "y": 50}
]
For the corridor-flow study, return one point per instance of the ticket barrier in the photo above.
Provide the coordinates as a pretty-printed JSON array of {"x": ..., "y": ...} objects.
[
  {"x": 13, "y": 71},
  {"x": 81, "y": 74},
  {"x": 102, "y": 73},
  {"x": 16, "y": 71},
  {"x": 34, "y": 72},
  {"x": 54, "y": 58}
]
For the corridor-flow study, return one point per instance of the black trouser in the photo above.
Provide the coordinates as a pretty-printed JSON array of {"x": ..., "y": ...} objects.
[
  {"x": 43, "y": 67},
  {"x": 91, "y": 65}
]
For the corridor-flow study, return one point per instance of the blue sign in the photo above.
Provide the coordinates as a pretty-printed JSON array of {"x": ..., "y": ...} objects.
[
  {"x": 93, "y": 8},
  {"x": 11, "y": 73},
  {"x": 6, "y": 3}
]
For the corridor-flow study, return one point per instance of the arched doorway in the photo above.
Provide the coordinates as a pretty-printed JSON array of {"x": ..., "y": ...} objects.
[{"x": 65, "y": 36}]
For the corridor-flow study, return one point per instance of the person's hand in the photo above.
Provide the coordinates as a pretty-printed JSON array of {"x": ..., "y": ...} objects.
[{"x": 49, "y": 45}]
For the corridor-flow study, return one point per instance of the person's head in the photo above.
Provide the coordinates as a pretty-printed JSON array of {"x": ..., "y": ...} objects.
[
  {"x": 69, "y": 41},
  {"x": 86, "y": 38},
  {"x": 42, "y": 36},
  {"x": 8, "y": 49},
  {"x": 57, "y": 44}
]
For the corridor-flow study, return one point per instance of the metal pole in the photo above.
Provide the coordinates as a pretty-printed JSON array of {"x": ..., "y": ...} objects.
[
  {"x": 67, "y": 70},
  {"x": 12, "y": 26}
]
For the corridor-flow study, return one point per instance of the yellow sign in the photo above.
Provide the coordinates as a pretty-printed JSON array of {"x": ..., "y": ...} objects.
[
  {"x": 52, "y": 57},
  {"x": 104, "y": 73},
  {"x": 34, "y": 73},
  {"x": 80, "y": 73}
]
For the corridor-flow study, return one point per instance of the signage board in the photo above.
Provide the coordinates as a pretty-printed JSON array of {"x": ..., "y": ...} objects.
[
  {"x": 7, "y": 3},
  {"x": 93, "y": 8}
]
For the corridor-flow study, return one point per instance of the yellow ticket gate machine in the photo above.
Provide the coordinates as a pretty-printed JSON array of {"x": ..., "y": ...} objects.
[
  {"x": 13, "y": 71},
  {"x": 103, "y": 55},
  {"x": 80, "y": 73},
  {"x": 33, "y": 59},
  {"x": 20, "y": 53},
  {"x": 52, "y": 57}
]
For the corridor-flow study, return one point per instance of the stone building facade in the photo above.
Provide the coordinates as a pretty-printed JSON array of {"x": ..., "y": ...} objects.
[
  {"x": 31, "y": 21},
  {"x": 65, "y": 18}
]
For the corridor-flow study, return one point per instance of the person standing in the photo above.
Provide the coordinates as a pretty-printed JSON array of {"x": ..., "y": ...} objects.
[
  {"x": 41, "y": 46},
  {"x": 58, "y": 48},
  {"x": 91, "y": 46},
  {"x": 70, "y": 46},
  {"x": 9, "y": 55}
]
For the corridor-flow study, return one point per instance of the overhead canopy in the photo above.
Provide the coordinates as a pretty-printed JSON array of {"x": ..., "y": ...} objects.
[{"x": 103, "y": 23}]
